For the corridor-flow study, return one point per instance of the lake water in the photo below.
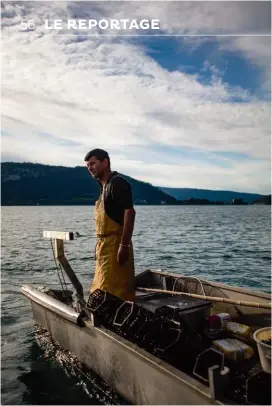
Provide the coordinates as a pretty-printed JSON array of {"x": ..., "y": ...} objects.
[{"x": 221, "y": 243}]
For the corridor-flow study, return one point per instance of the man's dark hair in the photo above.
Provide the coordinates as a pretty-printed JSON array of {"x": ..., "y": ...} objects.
[{"x": 99, "y": 154}]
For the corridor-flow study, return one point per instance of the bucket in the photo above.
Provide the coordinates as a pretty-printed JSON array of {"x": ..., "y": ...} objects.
[{"x": 264, "y": 349}]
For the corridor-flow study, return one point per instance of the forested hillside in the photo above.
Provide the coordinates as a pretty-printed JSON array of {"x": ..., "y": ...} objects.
[{"x": 32, "y": 184}]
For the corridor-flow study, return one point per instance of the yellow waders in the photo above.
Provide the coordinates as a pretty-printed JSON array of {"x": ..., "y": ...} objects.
[{"x": 109, "y": 275}]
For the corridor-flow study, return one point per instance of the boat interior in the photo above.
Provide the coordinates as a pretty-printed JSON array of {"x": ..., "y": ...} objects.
[
  {"x": 187, "y": 332},
  {"x": 248, "y": 383},
  {"x": 158, "y": 279}
]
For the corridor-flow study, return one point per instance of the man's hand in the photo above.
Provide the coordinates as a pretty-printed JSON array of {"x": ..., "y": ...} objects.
[{"x": 122, "y": 255}]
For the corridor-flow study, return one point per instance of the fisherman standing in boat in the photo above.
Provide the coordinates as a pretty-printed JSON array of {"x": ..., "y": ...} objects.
[{"x": 114, "y": 217}]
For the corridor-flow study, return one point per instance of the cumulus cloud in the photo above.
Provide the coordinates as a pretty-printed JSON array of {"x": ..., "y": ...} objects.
[{"x": 64, "y": 95}]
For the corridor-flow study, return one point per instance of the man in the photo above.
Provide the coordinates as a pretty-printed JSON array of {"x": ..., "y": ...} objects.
[{"x": 114, "y": 217}]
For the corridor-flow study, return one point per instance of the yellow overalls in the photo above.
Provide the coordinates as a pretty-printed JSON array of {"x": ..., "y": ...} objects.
[{"x": 109, "y": 275}]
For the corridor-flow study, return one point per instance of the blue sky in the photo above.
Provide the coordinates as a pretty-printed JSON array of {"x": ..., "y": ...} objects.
[
  {"x": 188, "y": 108},
  {"x": 173, "y": 54}
]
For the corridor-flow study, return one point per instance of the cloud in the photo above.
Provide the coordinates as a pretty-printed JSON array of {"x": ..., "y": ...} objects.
[
  {"x": 239, "y": 176},
  {"x": 212, "y": 17},
  {"x": 62, "y": 96},
  {"x": 257, "y": 51}
]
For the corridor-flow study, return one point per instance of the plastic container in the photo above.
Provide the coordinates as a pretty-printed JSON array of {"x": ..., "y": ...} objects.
[
  {"x": 264, "y": 349},
  {"x": 216, "y": 324},
  {"x": 234, "y": 349},
  {"x": 240, "y": 331}
]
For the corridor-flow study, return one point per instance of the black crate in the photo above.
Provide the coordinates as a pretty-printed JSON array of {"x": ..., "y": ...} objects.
[
  {"x": 139, "y": 325},
  {"x": 126, "y": 318},
  {"x": 134, "y": 322},
  {"x": 101, "y": 301},
  {"x": 167, "y": 335},
  {"x": 104, "y": 305},
  {"x": 205, "y": 360}
]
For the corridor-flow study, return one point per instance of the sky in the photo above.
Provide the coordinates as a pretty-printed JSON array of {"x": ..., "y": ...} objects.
[{"x": 188, "y": 105}]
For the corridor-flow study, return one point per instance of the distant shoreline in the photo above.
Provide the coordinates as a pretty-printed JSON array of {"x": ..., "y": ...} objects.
[{"x": 27, "y": 184}]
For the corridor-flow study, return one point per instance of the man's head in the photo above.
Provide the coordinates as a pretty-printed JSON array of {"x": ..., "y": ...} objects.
[{"x": 98, "y": 162}]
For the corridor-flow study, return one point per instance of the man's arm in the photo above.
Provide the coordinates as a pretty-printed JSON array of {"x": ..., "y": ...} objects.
[
  {"x": 129, "y": 219},
  {"x": 123, "y": 195},
  {"x": 124, "y": 248}
]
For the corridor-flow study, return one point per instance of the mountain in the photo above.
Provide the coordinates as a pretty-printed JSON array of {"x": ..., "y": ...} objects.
[
  {"x": 211, "y": 195},
  {"x": 32, "y": 184},
  {"x": 264, "y": 200}
]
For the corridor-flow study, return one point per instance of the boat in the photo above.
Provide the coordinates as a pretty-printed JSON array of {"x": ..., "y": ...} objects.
[{"x": 165, "y": 363}]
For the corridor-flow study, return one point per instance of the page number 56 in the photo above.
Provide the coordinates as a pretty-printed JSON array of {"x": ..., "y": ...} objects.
[{"x": 28, "y": 25}]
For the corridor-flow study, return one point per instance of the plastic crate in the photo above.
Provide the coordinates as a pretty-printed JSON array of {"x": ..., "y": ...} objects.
[
  {"x": 104, "y": 305},
  {"x": 134, "y": 322},
  {"x": 205, "y": 360}
]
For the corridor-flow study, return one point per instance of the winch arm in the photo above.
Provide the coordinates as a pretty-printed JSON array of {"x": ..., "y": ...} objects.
[{"x": 59, "y": 238}]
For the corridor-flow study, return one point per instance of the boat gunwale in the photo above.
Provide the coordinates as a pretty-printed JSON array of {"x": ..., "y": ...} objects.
[{"x": 50, "y": 303}]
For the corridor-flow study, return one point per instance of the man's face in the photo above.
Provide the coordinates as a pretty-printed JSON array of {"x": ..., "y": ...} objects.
[{"x": 96, "y": 167}]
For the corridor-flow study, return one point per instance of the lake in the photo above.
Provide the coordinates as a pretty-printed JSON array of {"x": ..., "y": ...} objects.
[{"x": 229, "y": 244}]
